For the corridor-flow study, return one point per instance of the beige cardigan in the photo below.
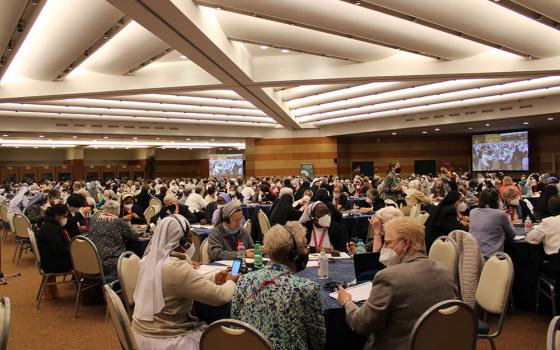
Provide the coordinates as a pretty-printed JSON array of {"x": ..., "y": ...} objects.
[{"x": 182, "y": 285}]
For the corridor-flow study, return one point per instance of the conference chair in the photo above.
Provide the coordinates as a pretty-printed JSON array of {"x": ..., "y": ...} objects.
[
  {"x": 264, "y": 224},
  {"x": 5, "y": 316},
  {"x": 149, "y": 213},
  {"x": 196, "y": 243},
  {"x": 204, "y": 256},
  {"x": 45, "y": 276},
  {"x": 248, "y": 226},
  {"x": 86, "y": 262},
  {"x": 233, "y": 334},
  {"x": 548, "y": 282},
  {"x": 423, "y": 217},
  {"x": 444, "y": 250},
  {"x": 156, "y": 203},
  {"x": 493, "y": 293},
  {"x": 414, "y": 211},
  {"x": 128, "y": 267},
  {"x": 450, "y": 324},
  {"x": 5, "y": 221},
  {"x": 21, "y": 226},
  {"x": 553, "y": 334},
  {"x": 120, "y": 319}
]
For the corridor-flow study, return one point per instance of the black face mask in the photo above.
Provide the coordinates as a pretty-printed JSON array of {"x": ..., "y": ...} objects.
[
  {"x": 301, "y": 262},
  {"x": 397, "y": 170},
  {"x": 171, "y": 208}
]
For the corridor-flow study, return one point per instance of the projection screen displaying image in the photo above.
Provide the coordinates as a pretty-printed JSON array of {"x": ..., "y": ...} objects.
[
  {"x": 506, "y": 151},
  {"x": 226, "y": 165}
]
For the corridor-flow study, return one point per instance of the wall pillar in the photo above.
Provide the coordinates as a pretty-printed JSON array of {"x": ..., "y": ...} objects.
[{"x": 74, "y": 158}]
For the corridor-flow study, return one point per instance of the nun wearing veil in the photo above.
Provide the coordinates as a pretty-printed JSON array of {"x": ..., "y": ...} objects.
[{"x": 167, "y": 286}]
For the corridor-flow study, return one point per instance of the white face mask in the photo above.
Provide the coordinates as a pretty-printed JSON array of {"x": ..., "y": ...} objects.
[
  {"x": 128, "y": 206},
  {"x": 325, "y": 221},
  {"x": 389, "y": 257},
  {"x": 462, "y": 207},
  {"x": 63, "y": 222},
  {"x": 514, "y": 202}
]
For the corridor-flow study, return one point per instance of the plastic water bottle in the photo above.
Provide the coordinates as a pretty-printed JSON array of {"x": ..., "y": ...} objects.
[
  {"x": 528, "y": 224},
  {"x": 323, "y": 265},
  {"x": 258, "y": 256},
  {"x": 360, "y": 247}
]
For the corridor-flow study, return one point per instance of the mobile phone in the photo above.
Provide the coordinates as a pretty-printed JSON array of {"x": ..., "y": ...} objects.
[{"x": 235, "y": 267}]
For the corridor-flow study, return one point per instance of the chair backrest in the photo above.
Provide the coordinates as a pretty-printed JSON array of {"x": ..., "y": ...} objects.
[
  {"x": 450, "y": 324},
  {"x": 423, "y": 217},
  {"x": 120, "y": 319},
  {"x": 128, "y": 267},
  {"x": 264, "y": 224},
  {"x": 85, "y": 257},
  {"x": 248, "y": 226},
  {"x": 414, "y": 210},
  {"x": 4, "y": 213},
  {"x": 553, "y": 334},
  {"x": 494, "y": 286},
  {"x": 149, "y": 213},
  {"x": 35, "y": 248},
  {"x": 444, "y": 250},
  {"x": 5, "y": 316},
  {"x": 204, "y": 256},
  {"x": 156, "y": 203},
  {"x": 21, "y": 226},
  {"x": 11, "y": 220},
  {"x": 233, "y": 334},
  {"x": 196, "y": 242}
]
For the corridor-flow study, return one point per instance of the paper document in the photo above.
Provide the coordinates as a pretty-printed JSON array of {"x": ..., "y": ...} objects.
[
  {"x": 359, "y": 293},
  {"x": 313, "y": 263},
  {"x": 205, "y": 269},
  {"x": 202, "y": 226},
  {"x": 225, "y": 262},
  {"x": 343, "y": 255},
  {"x": 519, "y": 238},
  {"x": 315, "y": 256}
]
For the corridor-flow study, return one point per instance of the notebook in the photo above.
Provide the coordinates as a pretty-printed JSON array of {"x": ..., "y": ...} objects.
[{"x": 359, "y": 293}]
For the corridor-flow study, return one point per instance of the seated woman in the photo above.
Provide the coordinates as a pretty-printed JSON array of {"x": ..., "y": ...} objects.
[
  {"x": 438, "y": 191},
  {"x": 541, "y": 208},
  {"x": 373, "y": 202},
  {"x": 381, "y": 217},
  {"x": 414, "y": 196},
  {"x": 289, "y": 308},
  {"x": 53, "y": 242},
  {"x": 302, "y": 203},
  {"x": 516, "y": 208},
  {"x": 130, "y": 211},
  {"x": 168, "y": 285},
  {"x": 107, "y": 196},
  {"x": 340, "y": 199},
  {"x": 110, "y": 234},
  {"x": 322, "y": 195},
  {"x": 35, "y": 212},
  {"x": 490, "y": 225},
  {"x": 284, "y": 211},
  {"x": 76, "y": 219},
  {"x": 447, "y": 217},
  {"x": 322, "y": 231}
]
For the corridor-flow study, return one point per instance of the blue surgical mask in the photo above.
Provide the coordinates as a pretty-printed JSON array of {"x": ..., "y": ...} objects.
[{"x": 231, "y": 231}]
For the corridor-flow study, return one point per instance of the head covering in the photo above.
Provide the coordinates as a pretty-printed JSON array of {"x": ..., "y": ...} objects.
[
  {"x": 286, "y": 190},
  {"x": 225, "y": 196},
  {"x": 19, "y": 201},
  {"x": 148, "y": 296},
  {"x": 450, "y": 199},
  {"x": 38, "y": 198},
  {"x": 126, "y": 195},
  {"x": 306, "y": 216},
  {"x": 231, "y": 207},
  {"x": 552, "y": 179},
  {"x": 281, "y": 210}
]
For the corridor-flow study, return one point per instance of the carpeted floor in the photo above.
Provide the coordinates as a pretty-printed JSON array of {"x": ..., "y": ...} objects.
[{"x": 53, "y": 326}]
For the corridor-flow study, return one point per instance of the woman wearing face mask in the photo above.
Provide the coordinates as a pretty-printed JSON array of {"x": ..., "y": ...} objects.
[
  {"x": 404, "y": 290},
  {"x": 131, "y": 212},
  {"x": 392, "y": 184},
  {"x": 167, "y": 287},
  {"x": 490, "y": 225},
  {"x": 373, "y": 202},
  {"x": 53, "y": 242},
  {"x": 296, "y": 321},
  {"x": 322, "y": 231},
  {"x": 516, "y": 209},
  {"x": 448, "y": 216}
]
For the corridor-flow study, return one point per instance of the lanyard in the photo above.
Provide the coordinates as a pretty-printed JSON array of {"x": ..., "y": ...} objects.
[
  {"x": 66, "y": 234},
  {"x": 264, "y": 284},
  {"x": 315, "y": 238}
]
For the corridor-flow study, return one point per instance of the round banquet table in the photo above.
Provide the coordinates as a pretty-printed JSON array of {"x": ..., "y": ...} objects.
[{"x": 356, "y": 225}]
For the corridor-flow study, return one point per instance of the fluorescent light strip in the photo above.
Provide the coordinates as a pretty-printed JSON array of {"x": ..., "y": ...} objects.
[
  {"x": 185, "y": 100},
  {"x": 134, "y": 143},
  {"x": 492, "y": 90},
  {"x": 445, "y": 105},
  {"x": 39, "y": 145}
]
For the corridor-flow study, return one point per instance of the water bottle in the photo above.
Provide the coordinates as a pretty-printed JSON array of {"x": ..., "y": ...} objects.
[
  {"x": 323, "y": 265},
  {"x": 361, "y": 247},
  {"x": 258, "y": 256},
  {"x": 528, "y": 224}
]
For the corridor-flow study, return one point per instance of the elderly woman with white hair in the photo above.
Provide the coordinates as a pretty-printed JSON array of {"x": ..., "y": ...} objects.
[
  {"x": 167, "y": 287},
  {"x": 288, "y": 306},
  {"x": 401, "y": 292},
  {"x": 381, "y": 217},
  {"x": 110, "y": 235},
  {"x": 414, "y": 196}
]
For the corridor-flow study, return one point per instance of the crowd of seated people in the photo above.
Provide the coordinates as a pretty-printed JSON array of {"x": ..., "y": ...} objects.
[{"x": 306, "y": 215}]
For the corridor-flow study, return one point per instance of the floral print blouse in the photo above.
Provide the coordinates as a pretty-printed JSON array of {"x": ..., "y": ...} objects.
[{"x": 284, "y": 307}]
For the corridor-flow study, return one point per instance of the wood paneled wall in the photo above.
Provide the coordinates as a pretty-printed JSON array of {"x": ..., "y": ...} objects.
[{"x": 283, "y": 156}]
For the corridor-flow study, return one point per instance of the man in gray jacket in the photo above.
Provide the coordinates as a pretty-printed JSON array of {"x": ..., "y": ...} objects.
[
  {"x": 409, "y": 285},
  {"x": 225, "y": 238}
]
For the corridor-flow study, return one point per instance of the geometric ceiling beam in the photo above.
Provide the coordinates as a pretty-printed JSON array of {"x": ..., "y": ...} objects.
[
  {"x": 442, "y": 91},
  {"x": 169, "y": 77},
  {"x": 485, "y": 21},
  {"x": 400, "y": 67},
  {"x": 60, "y": 35},
  {"x": 301, "y": 91},
  {"x": 469, "y": 102},
  {"x": 186, "y": 100},
  {"x": 483, "y": 113},
  {"x": 216, "y": 94},
  {"x": 358, "y": 23},
  {"x": 536, "y": 10},
  {"x": 16, "y": 20},
  {"x": 271, "y": 33},
  {"x": 196, "y": 33}
]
